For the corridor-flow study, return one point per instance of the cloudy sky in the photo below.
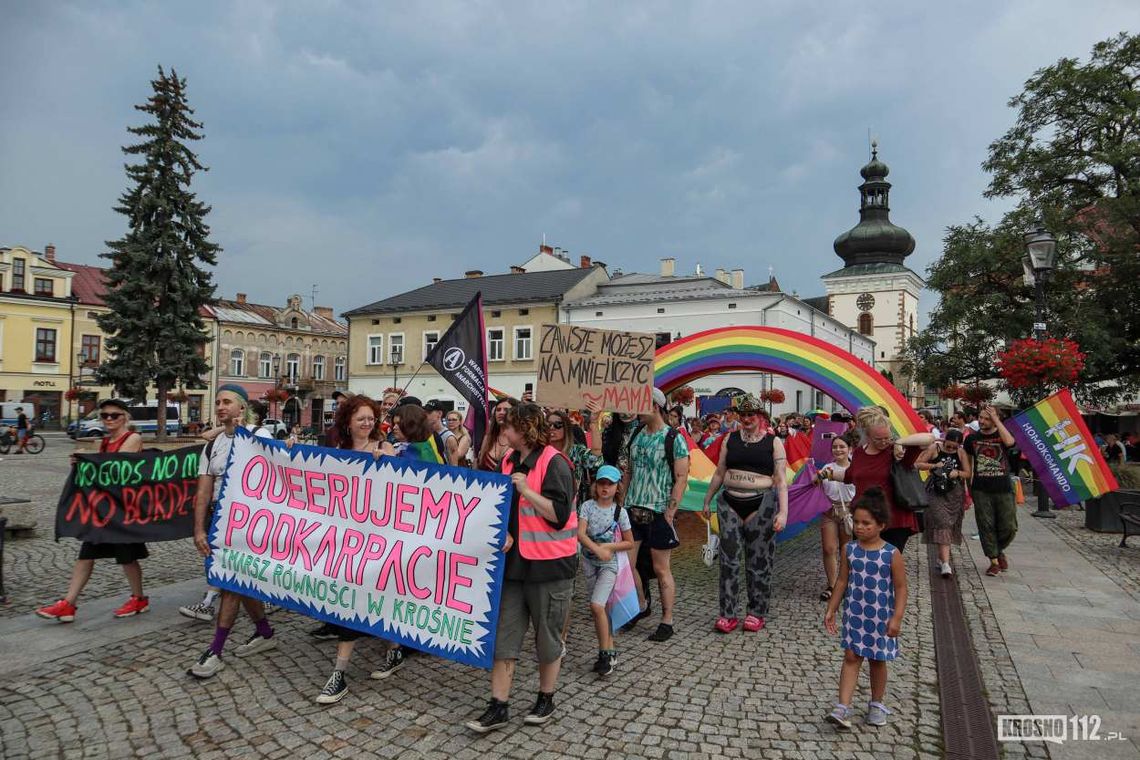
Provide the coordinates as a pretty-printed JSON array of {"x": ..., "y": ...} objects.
[{"x": 365, "y": 147}]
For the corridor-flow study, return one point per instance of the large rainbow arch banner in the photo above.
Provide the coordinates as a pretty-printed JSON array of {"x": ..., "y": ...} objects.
[{"x": 846, "y": 378}]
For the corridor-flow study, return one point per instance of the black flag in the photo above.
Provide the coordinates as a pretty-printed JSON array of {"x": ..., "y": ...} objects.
[{"x": 461, "y": 358}]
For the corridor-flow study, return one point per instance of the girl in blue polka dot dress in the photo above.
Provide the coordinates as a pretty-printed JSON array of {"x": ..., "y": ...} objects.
[{"x": 872, "y": 585}]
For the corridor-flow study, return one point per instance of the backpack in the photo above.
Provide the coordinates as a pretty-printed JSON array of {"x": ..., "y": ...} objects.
[
  {"x": 210, "y": 446},
  {"x": 670, "y": 441}
]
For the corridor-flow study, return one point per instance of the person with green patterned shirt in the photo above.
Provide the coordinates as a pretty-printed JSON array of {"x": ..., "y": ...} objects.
[
  {"x": 652, "y": 496},
  {"x": 585, "y": 461}
]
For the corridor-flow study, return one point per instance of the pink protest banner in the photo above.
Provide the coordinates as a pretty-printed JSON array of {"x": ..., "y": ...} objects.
[{"x": 397, "y": 548}]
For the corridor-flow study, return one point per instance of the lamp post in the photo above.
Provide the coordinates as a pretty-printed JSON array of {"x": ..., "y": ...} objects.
[
  {"x": 276, "y": 383},
  {"x": 1040, "y": 257}
]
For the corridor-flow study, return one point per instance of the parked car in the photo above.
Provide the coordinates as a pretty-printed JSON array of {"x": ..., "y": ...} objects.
[{"x": 276, "y": 428}]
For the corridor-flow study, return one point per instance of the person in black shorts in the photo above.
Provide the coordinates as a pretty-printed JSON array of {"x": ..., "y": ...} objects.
[{"x": 653, "y": 493}]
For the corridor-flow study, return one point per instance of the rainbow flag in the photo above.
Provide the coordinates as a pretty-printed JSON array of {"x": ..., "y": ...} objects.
[{"x": 1058, "y": 444}]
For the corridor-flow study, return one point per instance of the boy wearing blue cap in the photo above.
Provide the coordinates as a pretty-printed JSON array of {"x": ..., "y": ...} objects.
[{"x": 603, "y": 531}]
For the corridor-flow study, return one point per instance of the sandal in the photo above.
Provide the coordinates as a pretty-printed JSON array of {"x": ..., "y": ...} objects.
[
  {"x": 752, "y": 624},
  {"x": 825, "y": 595},
  {"x": 726, "y": 625}
]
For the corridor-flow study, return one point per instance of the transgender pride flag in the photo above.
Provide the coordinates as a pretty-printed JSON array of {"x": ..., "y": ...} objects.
[{"x": 1054, "y": 438}]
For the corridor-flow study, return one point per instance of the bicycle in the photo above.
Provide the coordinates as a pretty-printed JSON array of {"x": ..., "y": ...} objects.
[{"x": 34, "y": 445}]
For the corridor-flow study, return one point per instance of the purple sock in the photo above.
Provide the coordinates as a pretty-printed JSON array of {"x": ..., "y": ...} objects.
[
  {"x": 220, "y": 636},
  {"x": 263, "y": 629}
]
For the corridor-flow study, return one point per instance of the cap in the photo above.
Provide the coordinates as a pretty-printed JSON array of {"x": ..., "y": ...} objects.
[
  {"x": 116, "y": 402},
  {"x": 608, "y": 472},
  {"x": 405, "y": 400},
  {"x": 659, "y": 398},
  {"x": 433, "y": 406},
  {"x": 341, "y": 393},
  {"x": 235, "y": 389}
]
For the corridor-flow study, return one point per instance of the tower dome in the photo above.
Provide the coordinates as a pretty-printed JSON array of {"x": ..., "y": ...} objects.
[{"x": 874, "y": 240}]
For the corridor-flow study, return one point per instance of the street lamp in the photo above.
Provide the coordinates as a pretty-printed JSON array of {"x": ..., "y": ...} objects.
[
  {"x": 276, "y": 382},
  {"x": 1040, "y": 257}
]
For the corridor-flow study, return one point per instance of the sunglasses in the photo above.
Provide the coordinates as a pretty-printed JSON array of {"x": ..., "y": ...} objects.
[
  {"x": 557, "y": 425},
  {"x": 110, "y": 415}
]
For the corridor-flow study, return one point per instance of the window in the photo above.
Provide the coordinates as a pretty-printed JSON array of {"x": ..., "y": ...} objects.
[
  {"x": 522, "y": 344},
  {"x": 89, "y": 349},
  {"x": 293, "y": 323},
  {"x": 293, "y": 367},
  {"x": 662, "y": 339},
  {"x": 732, "y": 306},
  {"x": 496, "y": 313},
  {"x": 338, "y": 369},
  {"x": 430, "y": 339},
  {"x": 661, "y": 311},
  {"x": 495, "y": 345},
  {"x": 43, "y": 286},
  {"x": 375, "y": 349},
  {"x": 866, "y": 324},
  {"x": 397, "y": 320},
  {"x": 396, "y": 348},
  {"x": 597, "y": 313},
  {"x": 376, "y": 321},
  {"x": 431, "y": 317},
  {"x": 18, "y": 274},
  {"x": 265, "y": 364},
  {"x": 45, "y": 344},
  {"x": 799, "y": 401},
  {"x": 524, "y": 312},
  {"x": 237, "y": 362},
  {"x": 318, "y": 368}
]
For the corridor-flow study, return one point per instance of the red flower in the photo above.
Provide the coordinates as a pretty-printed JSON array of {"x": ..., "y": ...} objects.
[{"x": 1030, "y": 363}]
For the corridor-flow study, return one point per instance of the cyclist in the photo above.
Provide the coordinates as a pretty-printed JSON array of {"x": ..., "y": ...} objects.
[{"x": 23, "y": 428}]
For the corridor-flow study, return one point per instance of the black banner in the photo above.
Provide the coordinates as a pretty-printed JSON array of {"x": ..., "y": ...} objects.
[
  {"x": 130, "y": 498},
  {"x": 460, "y": 358}
]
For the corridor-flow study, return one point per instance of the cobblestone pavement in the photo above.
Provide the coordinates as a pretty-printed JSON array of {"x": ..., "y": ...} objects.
[
  {"x": 999, "y": 674},
  {"x": 1102, "y": 550},
  {"x": 700, "y": 695},
  {"x": 37, "y": 568}
]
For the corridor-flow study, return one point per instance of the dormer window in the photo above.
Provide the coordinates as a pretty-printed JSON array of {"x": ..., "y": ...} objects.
[{"x": 293, "y": 323}]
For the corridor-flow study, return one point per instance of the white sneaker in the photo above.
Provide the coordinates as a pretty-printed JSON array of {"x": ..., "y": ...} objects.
[
  {"x": 256, "y": 644},
  {"x": 198, "y": 611},
  {"x": 947, "y": 571},
  {"x": 207, "y": 665}
]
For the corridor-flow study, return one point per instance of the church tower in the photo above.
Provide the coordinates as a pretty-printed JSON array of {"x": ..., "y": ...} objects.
[{"x": 875, "y": 292}]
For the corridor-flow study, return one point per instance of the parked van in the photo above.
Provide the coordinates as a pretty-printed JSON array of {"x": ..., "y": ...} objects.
[
  {"x": 9, "y": 415},
  {"x": 144, "y": 420}
]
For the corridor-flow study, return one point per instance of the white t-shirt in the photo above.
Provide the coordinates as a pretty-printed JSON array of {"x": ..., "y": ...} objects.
[
  {"x": 219, "y": 450},
  {"x": 836, "y": 490}
]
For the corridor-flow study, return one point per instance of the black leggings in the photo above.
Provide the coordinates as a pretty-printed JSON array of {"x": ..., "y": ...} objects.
[{"x": 897, "y": 537}]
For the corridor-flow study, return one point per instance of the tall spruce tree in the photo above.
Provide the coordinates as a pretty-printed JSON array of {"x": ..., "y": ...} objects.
[{"x": 160, "y": 270}]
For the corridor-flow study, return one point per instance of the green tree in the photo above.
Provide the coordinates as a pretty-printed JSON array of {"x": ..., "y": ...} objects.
[
  {"x": 1072, "y": 158},
  {"x": 160, "y": 270}
]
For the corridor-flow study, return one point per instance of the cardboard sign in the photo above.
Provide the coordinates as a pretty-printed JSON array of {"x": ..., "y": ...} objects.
[
  {"x": 130, "y": 498},
  {"x": 581, "y": 364},
  {"x": 400, "y": 549}
]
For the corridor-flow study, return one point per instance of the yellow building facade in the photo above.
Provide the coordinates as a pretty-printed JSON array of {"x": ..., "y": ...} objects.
[{"x": 389, "y": 340}]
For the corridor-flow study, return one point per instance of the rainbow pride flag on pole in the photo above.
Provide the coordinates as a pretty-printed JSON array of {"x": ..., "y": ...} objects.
[{"x": 1058, "y": 444}]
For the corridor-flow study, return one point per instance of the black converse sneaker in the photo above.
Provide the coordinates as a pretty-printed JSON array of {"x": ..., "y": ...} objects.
[
  {"x": 664, "y": 632},
  {"x": 600, "y": 663},
  {"x": 336, "y": 688},
  {"x": 323, "y": 633},
  {"x": 393, "y": 660},
  {"x": 542, "y": 711},
  {"x": 605, "y": 664},
  {"x": 497, "y": 715}
]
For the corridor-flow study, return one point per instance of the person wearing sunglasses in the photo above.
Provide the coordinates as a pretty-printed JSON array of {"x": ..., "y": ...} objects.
[
  {"x": 119, "y": 439},
  {"x": 751, "y": 510}
]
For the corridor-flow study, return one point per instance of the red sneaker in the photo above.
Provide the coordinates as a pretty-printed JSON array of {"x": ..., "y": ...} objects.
[
  {"x": 726, "y": 625},
  {"x": 752, "y": 624},
  {"x": 1003, "y": 563},
  {"x": 135, "y": 605},
  {"x": 62, "y": 611}
]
